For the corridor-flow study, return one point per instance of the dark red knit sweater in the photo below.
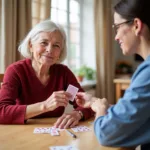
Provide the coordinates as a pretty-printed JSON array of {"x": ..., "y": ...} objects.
[{"x": 21, "y": 87}]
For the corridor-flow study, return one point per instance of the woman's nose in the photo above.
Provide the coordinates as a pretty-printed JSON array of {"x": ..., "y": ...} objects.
[
  {"x": 116, "y": 38},
  {"x": 49, "y": 48}
]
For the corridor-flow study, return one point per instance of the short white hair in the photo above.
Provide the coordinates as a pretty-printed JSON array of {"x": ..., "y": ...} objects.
[{"x": 44, "y": 26}]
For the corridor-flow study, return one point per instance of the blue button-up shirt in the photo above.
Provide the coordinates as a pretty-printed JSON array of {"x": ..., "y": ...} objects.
[{"x": 128, "y": 122}]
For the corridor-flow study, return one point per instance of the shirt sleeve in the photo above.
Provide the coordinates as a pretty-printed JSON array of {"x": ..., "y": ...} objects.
[
  {"x": 71, "y": 79},
  {"x": 10, "y": 112},
  {"x": 127, "y": 123}
]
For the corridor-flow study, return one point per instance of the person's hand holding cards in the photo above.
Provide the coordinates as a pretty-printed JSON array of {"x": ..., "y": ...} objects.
[
  {"x": 84, "y": 99},
  {"x": 57, "y": 99}
]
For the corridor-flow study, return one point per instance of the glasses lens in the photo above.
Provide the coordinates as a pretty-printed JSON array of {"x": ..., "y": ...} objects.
[{"x": 116, "y": 26}]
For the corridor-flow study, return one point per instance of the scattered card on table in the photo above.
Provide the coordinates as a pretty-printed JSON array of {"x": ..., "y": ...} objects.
[
  {"x": 69, "y": 147},
  {"x": 54, "y": 132},
  {"x": 81, "y": 129},
  {"x": 50, "y": 130},
  {"x": 73, "y": 91},
  {"x": 41, "y": 130}
]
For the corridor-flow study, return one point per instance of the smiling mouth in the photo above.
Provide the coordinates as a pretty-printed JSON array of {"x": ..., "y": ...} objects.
[
  {"x": 120, "y": 44},
  {"x": 48, "y": 57}
]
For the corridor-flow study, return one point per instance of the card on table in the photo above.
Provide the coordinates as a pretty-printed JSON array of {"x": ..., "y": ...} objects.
[
  {"x": 41, "y": 130},
  {"x": 68, "y": 147},
  {"x": 58, "y": 129},
  {"x": 49, "y": 130},
  {"x": 81, "y": 129},
  {"x": 54, "y": 132},
  {"x": 73, "y": 91}
]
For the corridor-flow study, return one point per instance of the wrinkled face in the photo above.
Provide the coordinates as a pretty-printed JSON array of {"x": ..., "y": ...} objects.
[
  {"x": 125, "y": 35},
  {"x": 47, "y": 48}
]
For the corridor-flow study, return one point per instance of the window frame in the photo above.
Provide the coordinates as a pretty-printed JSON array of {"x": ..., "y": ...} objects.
[{"x": 68, "y": 28}]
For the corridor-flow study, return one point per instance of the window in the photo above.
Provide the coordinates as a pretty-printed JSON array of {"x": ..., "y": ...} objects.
[
  {"x": 67, "y": 13},
  {"x": 40, "y": 11}
]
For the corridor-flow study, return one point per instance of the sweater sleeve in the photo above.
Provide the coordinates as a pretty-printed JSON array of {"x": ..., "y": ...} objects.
[
  {"x": 10, "y": 112},
  {"x": 127, "y": 123},
  {"x": 71, "y": 79}
]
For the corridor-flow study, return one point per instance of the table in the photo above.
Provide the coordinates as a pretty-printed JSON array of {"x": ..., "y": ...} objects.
[
  {"x": 21, "y": 137},
  {"x": 121, "y": 84}
]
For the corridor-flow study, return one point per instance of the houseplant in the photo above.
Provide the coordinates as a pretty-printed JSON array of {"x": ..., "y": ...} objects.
[
  {"x": 79, "y": 74},
  {"x": 84, "y": 72}
]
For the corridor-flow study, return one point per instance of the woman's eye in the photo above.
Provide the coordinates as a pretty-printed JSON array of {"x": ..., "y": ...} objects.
[
  {"x": 117, "y": 28},
  {"x": 56, "y": 46},
  {"x": 44, "y": 43}
]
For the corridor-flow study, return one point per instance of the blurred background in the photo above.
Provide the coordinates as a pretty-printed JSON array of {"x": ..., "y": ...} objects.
[{"x": 93, "y": 55}]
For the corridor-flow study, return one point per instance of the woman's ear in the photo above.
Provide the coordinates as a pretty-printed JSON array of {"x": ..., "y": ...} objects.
[
  {"x": 138, "y": 25},
  {"x": 30, "y": 46}
]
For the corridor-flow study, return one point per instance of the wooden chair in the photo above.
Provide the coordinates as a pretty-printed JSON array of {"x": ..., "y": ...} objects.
[{"x": 1, "y": 79}]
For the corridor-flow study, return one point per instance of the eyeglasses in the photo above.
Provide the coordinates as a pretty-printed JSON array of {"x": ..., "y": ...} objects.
[{"x": 116, "y": 26}]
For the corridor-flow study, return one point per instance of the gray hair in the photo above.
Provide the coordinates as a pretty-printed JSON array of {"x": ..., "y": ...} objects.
[{"x": 44, "y": 26}]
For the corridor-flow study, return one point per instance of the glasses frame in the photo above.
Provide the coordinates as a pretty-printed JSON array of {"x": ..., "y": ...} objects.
[{"x": 115, "y": 26}]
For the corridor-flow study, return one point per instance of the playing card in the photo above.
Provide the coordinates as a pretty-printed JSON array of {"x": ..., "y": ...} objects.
[
  {"x": 69, "y": 147},
  {"x": 54, "y": 132},
  {"x": 81, "y": 129},
  {"x": 41, "y": 130},
  {"x": 58, "y": 129},
  {"x": 73, "y": 91}
]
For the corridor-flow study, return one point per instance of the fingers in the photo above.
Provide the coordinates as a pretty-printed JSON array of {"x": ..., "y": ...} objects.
[
  {"x": 61, "y": 94},
  {"x": 59, "y": 98},
  {"x": 79, "y": 102},
  {"x": 84, "y": 96},
  {"x": 83, "y": 103},
  {"x": 59, "y": 120},
  {"x": 74, "y": 124},
  {"x": 58, "y": 103},
  {"x": 80, "y": 94},
  {"x": 66, "y": 121},
  {"x": 100, "y": 105}
]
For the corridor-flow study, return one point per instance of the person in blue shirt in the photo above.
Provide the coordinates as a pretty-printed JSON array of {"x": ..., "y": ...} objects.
[{"x": 127, "y": 124}]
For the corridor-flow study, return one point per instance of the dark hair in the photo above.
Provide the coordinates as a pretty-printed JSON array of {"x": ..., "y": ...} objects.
[{"x": 130, "y": 9}]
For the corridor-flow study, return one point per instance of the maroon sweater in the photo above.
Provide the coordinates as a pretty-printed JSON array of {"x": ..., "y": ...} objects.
[{"x": 21, "y": 87}]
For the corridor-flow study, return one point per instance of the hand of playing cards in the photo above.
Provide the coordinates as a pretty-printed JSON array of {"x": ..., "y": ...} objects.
[{"x": 73, "y": 91}]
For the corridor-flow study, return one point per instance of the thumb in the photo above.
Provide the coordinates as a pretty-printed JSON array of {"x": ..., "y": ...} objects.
[{"x": 79, "y": 102}]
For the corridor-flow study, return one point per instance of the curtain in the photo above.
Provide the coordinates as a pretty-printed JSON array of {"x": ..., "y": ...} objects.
[
  {"x": 40, "y": 10},
  {"x": 104, "y": 49},
  {"x": 15, "y": 23},
  {"x": 16, "y": 19}
]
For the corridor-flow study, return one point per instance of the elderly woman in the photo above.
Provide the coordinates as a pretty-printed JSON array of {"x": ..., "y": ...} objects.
[{"x": 35, "y": 86}]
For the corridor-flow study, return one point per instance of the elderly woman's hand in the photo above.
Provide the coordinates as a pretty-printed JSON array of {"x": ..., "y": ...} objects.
[
  {"x": 84, "y": 99},
  {"x": 57, "y": 99},
  {"x": 68, "y": 120}
]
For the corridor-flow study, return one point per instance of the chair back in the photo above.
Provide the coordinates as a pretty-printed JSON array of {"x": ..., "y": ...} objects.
[{"x": 1, "y": 79}]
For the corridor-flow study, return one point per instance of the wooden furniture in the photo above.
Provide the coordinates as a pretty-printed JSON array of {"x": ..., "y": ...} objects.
[
  {"x": 21, "y": 137},
  {"x": 121, "y": 84},
  {"x": 1, "y": 79}
]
